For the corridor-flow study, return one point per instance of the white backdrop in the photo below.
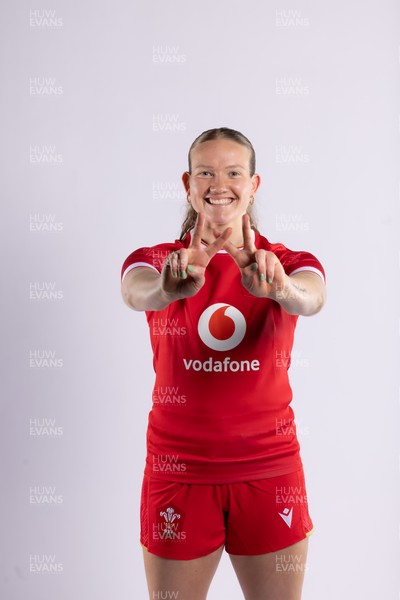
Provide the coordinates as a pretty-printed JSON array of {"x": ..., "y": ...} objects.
[{"x": 100, "y": 102}]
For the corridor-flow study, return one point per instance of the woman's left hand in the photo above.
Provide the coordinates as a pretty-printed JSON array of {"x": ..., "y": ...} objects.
[{"x": 262, "y": 273}]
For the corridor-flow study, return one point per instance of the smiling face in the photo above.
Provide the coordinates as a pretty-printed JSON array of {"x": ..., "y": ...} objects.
[{"x": 220, "y": 184}]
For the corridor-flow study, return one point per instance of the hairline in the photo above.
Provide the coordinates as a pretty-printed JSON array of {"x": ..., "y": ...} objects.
[{"x": 222, "y": 137}]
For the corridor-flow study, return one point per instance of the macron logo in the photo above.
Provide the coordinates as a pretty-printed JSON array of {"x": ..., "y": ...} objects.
[{"x": 287, "y": 516}]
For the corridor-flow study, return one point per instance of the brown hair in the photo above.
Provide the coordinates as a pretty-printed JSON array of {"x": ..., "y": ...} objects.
[{"x": 215, "y": 134}]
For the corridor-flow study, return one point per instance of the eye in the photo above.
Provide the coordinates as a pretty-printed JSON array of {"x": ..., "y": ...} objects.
[
  {"x": 234, "y": 173},
  {"x": 205, "y": 173}
]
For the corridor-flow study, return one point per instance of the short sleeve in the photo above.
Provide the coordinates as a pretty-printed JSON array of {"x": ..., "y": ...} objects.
[
  {"x": 152, "y": 257},
  {"x": 294, "y": 261}
]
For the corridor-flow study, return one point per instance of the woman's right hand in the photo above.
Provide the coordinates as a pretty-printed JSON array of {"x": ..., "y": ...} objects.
[{"x": 183, "y": 273}]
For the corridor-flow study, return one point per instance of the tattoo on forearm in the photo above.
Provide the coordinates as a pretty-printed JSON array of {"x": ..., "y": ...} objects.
[{"x": 301, "y": 289}]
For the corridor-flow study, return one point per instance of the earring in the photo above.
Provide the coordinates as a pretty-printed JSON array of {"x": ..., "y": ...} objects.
[{"x": 251, "y": 200}]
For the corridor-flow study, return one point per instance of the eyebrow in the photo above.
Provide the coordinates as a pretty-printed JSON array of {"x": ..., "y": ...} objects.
[{"x": 210, "y": 167}]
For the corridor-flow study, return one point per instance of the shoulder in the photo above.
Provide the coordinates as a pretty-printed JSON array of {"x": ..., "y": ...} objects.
[
  {"x": 291, "y": 260},
  {"x": 150, "y": 256},
  {"x": 264, "y": 244}
]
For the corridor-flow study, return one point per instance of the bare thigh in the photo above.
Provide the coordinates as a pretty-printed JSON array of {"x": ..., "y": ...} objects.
[
  {"x": 180, "y": 579},
  {"x": 273, "y": 576}
]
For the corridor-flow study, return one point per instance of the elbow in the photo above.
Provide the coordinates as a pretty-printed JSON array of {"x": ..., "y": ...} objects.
[
  {"x": 317, "y": 305},
  {"x": 129, "y": 300}
]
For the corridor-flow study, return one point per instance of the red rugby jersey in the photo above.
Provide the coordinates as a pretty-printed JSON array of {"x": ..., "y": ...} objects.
[{"x": 221, "y": 401}]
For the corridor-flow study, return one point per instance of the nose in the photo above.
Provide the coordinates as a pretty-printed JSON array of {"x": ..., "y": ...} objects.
[{"x": 218, "y": 185}]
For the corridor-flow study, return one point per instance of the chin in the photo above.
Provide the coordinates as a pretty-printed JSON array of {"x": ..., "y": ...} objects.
[
  {"x": 222, "y": 219},
  {"x": 220, "y": 222}
]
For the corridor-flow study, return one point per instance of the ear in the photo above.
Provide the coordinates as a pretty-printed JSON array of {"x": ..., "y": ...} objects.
[
  {"x": 255, "y": 183},
  {"x": 185, "y": 179}
]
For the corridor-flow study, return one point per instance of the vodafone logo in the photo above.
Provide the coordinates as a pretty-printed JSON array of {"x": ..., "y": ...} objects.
[{"x": 221, "y": 327}]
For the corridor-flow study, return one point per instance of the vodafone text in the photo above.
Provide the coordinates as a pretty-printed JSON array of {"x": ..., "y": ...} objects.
[{"x": 221, "y": 366}]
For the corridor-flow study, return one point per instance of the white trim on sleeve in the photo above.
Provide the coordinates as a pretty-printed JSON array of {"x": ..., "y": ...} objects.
[
  {"x": 313, "y": 269},
  {"x": 137, "y": 264}
]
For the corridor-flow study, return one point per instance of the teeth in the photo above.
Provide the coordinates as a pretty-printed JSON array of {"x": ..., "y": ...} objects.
[{"x": 220, "y": 200}]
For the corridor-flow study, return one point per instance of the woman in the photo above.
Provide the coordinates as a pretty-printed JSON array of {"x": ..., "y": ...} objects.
[{"x": 223, "y": 467}]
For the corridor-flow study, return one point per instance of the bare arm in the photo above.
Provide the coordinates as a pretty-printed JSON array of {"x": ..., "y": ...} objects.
[
  {"x": 263, "y": 276},
  {"x": 303, "y": 293},
  {"x": 141, "y": 290},
  {"x": 182, "y": 275}
]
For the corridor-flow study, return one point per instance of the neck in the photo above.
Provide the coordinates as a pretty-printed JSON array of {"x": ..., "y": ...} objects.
[{"x": 236, "y": 236}]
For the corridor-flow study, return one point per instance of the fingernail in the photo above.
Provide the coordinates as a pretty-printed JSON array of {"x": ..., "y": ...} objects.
[
  {"x": 269, "y": 279},
  {"x": 253, "y": 267},
  {"x": 183, "y": 274},
  {"x": 174, "y": 274},
  {"x": 190, "y": 269},
  {"x": 262, "y": 276}
]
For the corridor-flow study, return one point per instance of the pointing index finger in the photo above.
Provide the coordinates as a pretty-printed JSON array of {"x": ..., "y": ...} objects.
[
  {"x": 197, "y": 231},
  {"x": 248, "y": 243}
]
